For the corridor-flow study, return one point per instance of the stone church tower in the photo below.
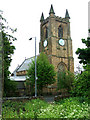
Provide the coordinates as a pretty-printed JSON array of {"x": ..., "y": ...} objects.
[{"x": 56, "y": 41}]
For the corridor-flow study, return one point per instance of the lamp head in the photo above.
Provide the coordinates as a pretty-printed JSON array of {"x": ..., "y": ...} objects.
[{"x": 30, "y": 38}]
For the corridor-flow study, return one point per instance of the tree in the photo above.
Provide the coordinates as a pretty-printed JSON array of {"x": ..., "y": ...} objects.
[
  {"x": 81, "y": 84},
  {"x": 45, "y": 73},
  {"x": 8, "y": 50},
  {"x": 84, "y": 53},
  {"x": 65, "y": 80}
]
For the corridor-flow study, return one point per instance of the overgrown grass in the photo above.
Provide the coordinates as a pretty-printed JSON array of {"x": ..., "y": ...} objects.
[{"x": 67, "y": 108}]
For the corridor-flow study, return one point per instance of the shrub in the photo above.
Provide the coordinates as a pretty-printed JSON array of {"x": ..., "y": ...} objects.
[
  {"x": 65, "y": 80},
  {"x": 81, "y": 84},
  {"x": 10, "y": 89}
]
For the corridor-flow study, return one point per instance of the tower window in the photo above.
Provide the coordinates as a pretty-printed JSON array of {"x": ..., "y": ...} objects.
[
  {"x": 46, "y": 32},
  {"x": 61, "y": 67},
  {"x": 60, "y": 31}
]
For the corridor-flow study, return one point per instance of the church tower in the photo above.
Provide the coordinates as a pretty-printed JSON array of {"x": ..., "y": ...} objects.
[{"x": 56, "y": 42}]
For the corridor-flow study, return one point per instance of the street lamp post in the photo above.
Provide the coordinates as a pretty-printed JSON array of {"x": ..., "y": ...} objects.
[{"x": 35, "y": 69}]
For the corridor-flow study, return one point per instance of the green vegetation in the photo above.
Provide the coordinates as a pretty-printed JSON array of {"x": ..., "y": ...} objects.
[
  {"x": 84, "y": 53},
  {"x": 8, "y": 51},
  {"x": 45, "y": 73},
  {"x": 81, "y": 84},
  {"x": 65, "y": 80},
  {"x": 68, "y": 108}
]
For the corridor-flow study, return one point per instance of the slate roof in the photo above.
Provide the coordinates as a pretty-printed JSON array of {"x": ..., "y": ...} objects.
[
  {"x": 22, "y": 67},
  {"x": 25, "y": 64}
]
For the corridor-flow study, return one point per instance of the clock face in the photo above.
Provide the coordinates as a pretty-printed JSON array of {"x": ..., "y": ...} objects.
[
  {"x": 45, "y": 43},
  {"x": 61, "y": 42}
]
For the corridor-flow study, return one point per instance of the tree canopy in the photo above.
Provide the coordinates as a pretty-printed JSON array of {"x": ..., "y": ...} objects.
[
  {"x": 84, "y": 53},
  {"x": 81, "y": 81},
  {"x": 45, "y": 72},
  {"x": 8, "y": 50},
  {"x": 81, "y": 84}
]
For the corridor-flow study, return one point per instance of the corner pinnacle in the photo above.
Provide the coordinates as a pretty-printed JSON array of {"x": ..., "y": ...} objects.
[
  {"x": 42, "y": 17},
  {"x": 67, "y": 14},
  {"x": 51, "y": 10}
]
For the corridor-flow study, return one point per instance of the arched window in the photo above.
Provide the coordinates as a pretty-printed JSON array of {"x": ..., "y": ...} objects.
[
  {"x": 46, "y": 33},
  {"x": 60, "y": 31},
  {"x": 61, "y": 67}
]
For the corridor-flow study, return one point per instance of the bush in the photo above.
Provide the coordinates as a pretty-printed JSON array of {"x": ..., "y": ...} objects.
[
  {"x": 65, "y": 80},
  {"x": 81, "y": 84},
  {"x": 10, "y": 89}
]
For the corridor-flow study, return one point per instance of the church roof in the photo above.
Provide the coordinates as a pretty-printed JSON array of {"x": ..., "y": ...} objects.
[
  {"x": 25, "y": 64},
  {"x": 23, "y": 67}
]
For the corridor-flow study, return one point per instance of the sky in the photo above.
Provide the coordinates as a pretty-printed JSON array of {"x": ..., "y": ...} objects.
[{"x": 25, "y": 16}]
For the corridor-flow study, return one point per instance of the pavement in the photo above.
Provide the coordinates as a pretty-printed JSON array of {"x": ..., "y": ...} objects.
[{"x": 49, "y": 99}]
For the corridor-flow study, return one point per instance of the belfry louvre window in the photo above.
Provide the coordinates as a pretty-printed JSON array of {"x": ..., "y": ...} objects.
[
  {"x": 60, "y": 31},
  {"x": 46, "y": 32}
]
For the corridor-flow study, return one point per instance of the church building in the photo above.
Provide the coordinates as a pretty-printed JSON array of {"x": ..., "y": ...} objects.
[{"x": 55, "y": 42}]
